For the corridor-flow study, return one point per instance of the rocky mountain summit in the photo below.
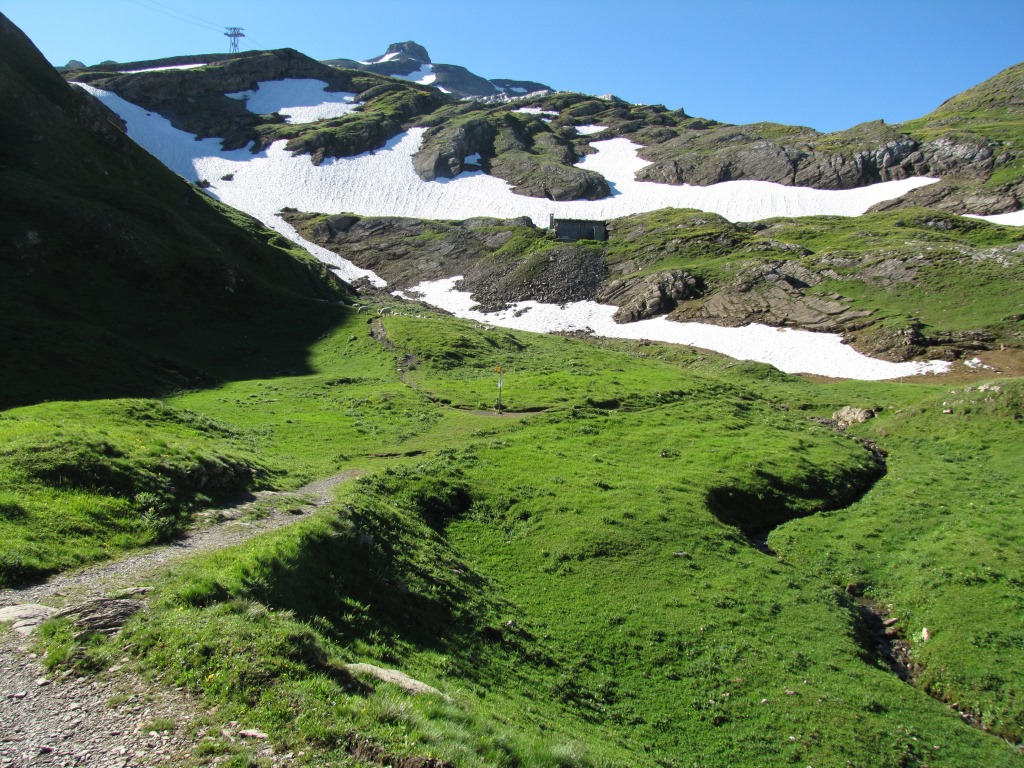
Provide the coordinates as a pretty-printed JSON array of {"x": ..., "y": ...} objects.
[{"x": 410, "y": 61}]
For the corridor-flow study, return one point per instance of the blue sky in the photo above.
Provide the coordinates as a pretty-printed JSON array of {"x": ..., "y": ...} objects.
[{"x": 828, "y": 64}]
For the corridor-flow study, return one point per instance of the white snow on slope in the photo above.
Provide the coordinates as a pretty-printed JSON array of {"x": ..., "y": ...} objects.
[
  {"x": 383, "y": 183},
  {"x": 535, "y": 111},
  {"x": 300, "y": 101},
  {"x": 424, "y": 75},
  {"x": 160, "y": 69},
  {"x": 787, "y": 349},
  {"x": 193, "y": 159},
  {"x": 1014, "y": 219},
  {"x": 590, "y": 130}
]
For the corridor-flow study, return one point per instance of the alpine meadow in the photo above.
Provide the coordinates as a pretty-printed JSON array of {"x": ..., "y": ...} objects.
[{"x": 377, "y": 413}]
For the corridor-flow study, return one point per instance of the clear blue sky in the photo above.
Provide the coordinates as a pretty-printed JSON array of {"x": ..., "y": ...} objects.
[{"x": 829, "y": 64}]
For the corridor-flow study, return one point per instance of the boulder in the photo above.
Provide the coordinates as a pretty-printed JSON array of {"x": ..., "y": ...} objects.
[
  {"x": 394, "y": 677},
  {"x": 649, "y": 296},
  {"x": 104, "y": 615},
  {"x": 850, "y": 414}
]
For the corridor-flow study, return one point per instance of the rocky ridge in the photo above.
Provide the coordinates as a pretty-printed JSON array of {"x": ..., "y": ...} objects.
[{"x": 410, "y": 59}]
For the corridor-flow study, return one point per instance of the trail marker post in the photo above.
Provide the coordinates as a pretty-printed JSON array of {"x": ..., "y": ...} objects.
[{"x": 498, "y": 405}]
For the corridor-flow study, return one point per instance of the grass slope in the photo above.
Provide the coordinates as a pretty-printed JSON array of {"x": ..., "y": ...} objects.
[{"x": 573, "y": 580}]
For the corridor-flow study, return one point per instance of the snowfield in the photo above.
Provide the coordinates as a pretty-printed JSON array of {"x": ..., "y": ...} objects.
[
  {"x": 161, "y": 69},
  {"x": 424, "y": 75},
  {"x": 383, "y": 183},
  {"x": 789, "y": 350},
  {"x": 1015, "y": 219},
  {"x": 300, "y": 101}
]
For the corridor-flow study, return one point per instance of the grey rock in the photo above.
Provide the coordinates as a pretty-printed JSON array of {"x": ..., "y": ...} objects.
[
  {"x": 771, "y": 293},
  {"x": 649, "y": 296},
  {"x": 850, "y": 414},
  {"x": 394, "y": 677}
]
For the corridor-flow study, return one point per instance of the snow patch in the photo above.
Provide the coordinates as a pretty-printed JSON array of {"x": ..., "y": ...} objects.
[
  {"x": 160, "y": 69},
  {"x": 299, "y": 101},
  {"x": 1014, "y": 219},
  {"x": 789, "y": 350},
  {"x": 473, "y": 159},
  {"x": 975, "y": 362},
  {"x": 590, "y": 130},
  {"x": 424, "y": 75},
  {"x": 536, "y": 111}
]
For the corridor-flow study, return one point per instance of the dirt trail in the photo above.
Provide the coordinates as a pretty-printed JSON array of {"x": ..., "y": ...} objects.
[
  {"x": 225, "y": 527},
  {"x": 114, "y": 720}
]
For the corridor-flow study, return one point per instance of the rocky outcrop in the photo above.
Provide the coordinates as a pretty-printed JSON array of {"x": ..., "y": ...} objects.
[
  {"x": 537, "y": 177},
  {"x": 962, "y": 196},
  {"x": 645, "y": 297},
  {"x": 540, "y": 163},
  {"x": 965, "y": 141},
  {"x": 446, "y": 148},
  {"x": 519, "y": 148},
  {"x": 407, "y": 251},
  {"x": 772, "y": 293},
  {"x": 851, "y": 414},
  {"x": 731, "y": 154},
  {"x": 195, "y": 100},
  {"x": 394, "y": 677}
]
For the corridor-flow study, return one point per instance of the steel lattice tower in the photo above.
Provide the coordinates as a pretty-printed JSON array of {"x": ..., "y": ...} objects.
[{"x": 234, "y": 33}]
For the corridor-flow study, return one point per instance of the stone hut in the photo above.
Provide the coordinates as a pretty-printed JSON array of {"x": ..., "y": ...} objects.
[{"x": 570, "y": 230}]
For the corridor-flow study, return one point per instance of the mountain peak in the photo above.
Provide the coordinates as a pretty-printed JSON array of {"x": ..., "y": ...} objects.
[{"x": 411, "y": 50}]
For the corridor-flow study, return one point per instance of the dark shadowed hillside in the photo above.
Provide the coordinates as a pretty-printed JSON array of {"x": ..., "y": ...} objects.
[{"x": 116, "y": 276}]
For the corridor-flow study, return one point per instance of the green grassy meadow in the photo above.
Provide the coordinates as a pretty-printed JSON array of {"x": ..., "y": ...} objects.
[{"x": 573, "y": 574}]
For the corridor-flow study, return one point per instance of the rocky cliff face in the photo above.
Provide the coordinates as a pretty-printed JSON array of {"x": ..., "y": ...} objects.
[
  {"x": 975, "y": 141},
  {"x": 801, "y": 157}
]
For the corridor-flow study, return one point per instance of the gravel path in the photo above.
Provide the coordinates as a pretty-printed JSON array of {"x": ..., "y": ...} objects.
[{"x": 114, "y": 719}]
